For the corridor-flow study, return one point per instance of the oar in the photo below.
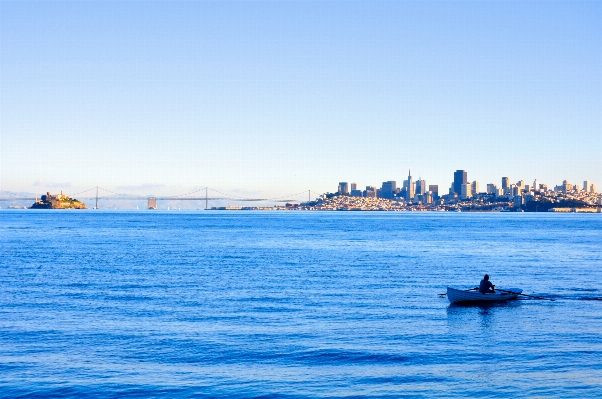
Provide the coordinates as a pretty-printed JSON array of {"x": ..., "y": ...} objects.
[
  {"x": 472, "y": 289},
  {"x": 530, "y": 296}
]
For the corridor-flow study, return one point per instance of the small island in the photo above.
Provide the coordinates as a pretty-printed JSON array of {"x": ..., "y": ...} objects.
[{"x": 58, "y": 201}]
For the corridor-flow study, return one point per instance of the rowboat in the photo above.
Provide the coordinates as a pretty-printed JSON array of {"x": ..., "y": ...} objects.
[{"x": 455, "y": 295}]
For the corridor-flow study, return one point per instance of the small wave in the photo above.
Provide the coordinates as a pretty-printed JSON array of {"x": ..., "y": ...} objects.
[{"x": 331, "y": 357}]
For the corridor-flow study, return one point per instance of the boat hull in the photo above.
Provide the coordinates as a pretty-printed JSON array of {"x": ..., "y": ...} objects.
[{"x": 461, "y": 296}]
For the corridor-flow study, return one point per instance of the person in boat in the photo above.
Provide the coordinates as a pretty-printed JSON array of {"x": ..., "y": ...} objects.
[{"x": 486, "y": 287}]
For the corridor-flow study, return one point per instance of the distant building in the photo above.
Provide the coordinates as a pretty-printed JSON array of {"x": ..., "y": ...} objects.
[
  {"x": 491, "y": 188},
  {"x": 466, "y": 190},
  {"x": 535, "y": 185},
  {"x": 434, "y": 188},
  {"x": 343, "y": 188},
  {"x": 410, "y": 188},
  {"x": 586, "y": 186},
  {"x": 460, "y": 177},
  {"x": 388, "y": 189},
  {"x": 353, "y": 186},
  {"x": 506, "y": 185},
  {"x": 592, "y": 189},
  {"x": 356, "y": 193},
  {"x": 565, "y": 187},
  {"x": 420, "y": 187},
  {"x": 427, "y": 198},
  {"x": 370, "y": 192},
  {"x": 475, "y": 188}
]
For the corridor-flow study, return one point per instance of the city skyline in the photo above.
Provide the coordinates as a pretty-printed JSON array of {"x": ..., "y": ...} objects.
[{"x": 279, "y": 97}]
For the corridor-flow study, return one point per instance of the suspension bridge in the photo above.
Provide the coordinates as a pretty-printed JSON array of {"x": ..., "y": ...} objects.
[{"x": 100, "y": 194}]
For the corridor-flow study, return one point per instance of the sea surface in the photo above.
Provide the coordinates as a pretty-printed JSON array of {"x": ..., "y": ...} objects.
[{"x": 111, "y": 304}]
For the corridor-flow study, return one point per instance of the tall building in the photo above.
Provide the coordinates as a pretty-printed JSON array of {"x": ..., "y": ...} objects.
[
  {"x": 353, "y": 186},
  {"x": 420, "y": 186},
  {"x": 586, "y": 186},
  {"x": 535, "y": 185},
  {"x": 505, "y": 184},
  {"x": 388, "y": 189},
  {"x": 343, "y": 188},
  {"x": 491, "y": 189},
  {"x": 411, "y": 187},
  {"x": 434, "y": 188},
  {"x": 466, "y": 190},
  {"x": 460, "y": 177},
  {"x": 475, "y": 188},
  {"x": 370, "y": 192}
]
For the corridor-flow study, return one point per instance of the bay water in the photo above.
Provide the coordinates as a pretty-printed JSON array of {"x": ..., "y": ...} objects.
[{"x": 239, "y": 304}]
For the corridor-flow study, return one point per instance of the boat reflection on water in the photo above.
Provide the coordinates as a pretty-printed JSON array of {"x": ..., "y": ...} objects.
[{"x": 465, "y": 314}]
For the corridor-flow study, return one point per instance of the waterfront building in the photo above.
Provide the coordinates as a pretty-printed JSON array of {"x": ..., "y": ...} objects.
[
  {"x": 343, "y": 188},
  {"x": 460, "y": 177},
  {"x": 475, "y": 188},
  {"x": 466, "y": 191}
]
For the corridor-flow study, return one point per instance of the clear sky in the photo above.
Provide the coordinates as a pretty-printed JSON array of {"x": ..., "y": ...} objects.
[{"x": 279, "y": 97}]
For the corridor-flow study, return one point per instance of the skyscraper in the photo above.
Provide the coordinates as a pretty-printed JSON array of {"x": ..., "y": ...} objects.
[
  {"x": 475, "y": 188},
  {"x": 343, "y": 188},
  {"x": 505, "y": 183},
  {"x": 353, "y": 186},
  {"x": 466, "y": 190},
  {"x": 410, "y": 188},
  {"x": 420, "y": 187},
  {"x": 434, "y": 188},
  {"x": 586, "y": 186},
  {"x": 460, "y": 177},
  {"x": 388, "y": 189}
]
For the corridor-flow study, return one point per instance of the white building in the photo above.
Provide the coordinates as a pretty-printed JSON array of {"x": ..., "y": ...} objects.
[
  {"x": 466, "y": 191},
  {"x": 475, "y": 188}
]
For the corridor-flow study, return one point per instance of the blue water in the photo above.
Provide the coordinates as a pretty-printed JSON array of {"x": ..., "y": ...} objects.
[{"x": 297, "y": 305}]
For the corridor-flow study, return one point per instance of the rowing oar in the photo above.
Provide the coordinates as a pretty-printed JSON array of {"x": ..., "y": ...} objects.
[
  {"x": 530, "y": 296},
  {"x": 472, "y": 289}
]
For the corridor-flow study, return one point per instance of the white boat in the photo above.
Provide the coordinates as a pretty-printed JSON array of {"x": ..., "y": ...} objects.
[{"x": 455, "y": 295}]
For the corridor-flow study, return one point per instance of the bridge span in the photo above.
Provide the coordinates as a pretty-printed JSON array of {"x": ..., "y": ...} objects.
[{"x": 152, "y": 200}]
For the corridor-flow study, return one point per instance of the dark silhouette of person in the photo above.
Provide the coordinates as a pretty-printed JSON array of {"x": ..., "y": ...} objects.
[{"x": 486, "y": 287}]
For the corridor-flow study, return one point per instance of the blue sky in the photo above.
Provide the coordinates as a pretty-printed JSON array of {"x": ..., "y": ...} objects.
[{"x": 280, "y": 97}]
